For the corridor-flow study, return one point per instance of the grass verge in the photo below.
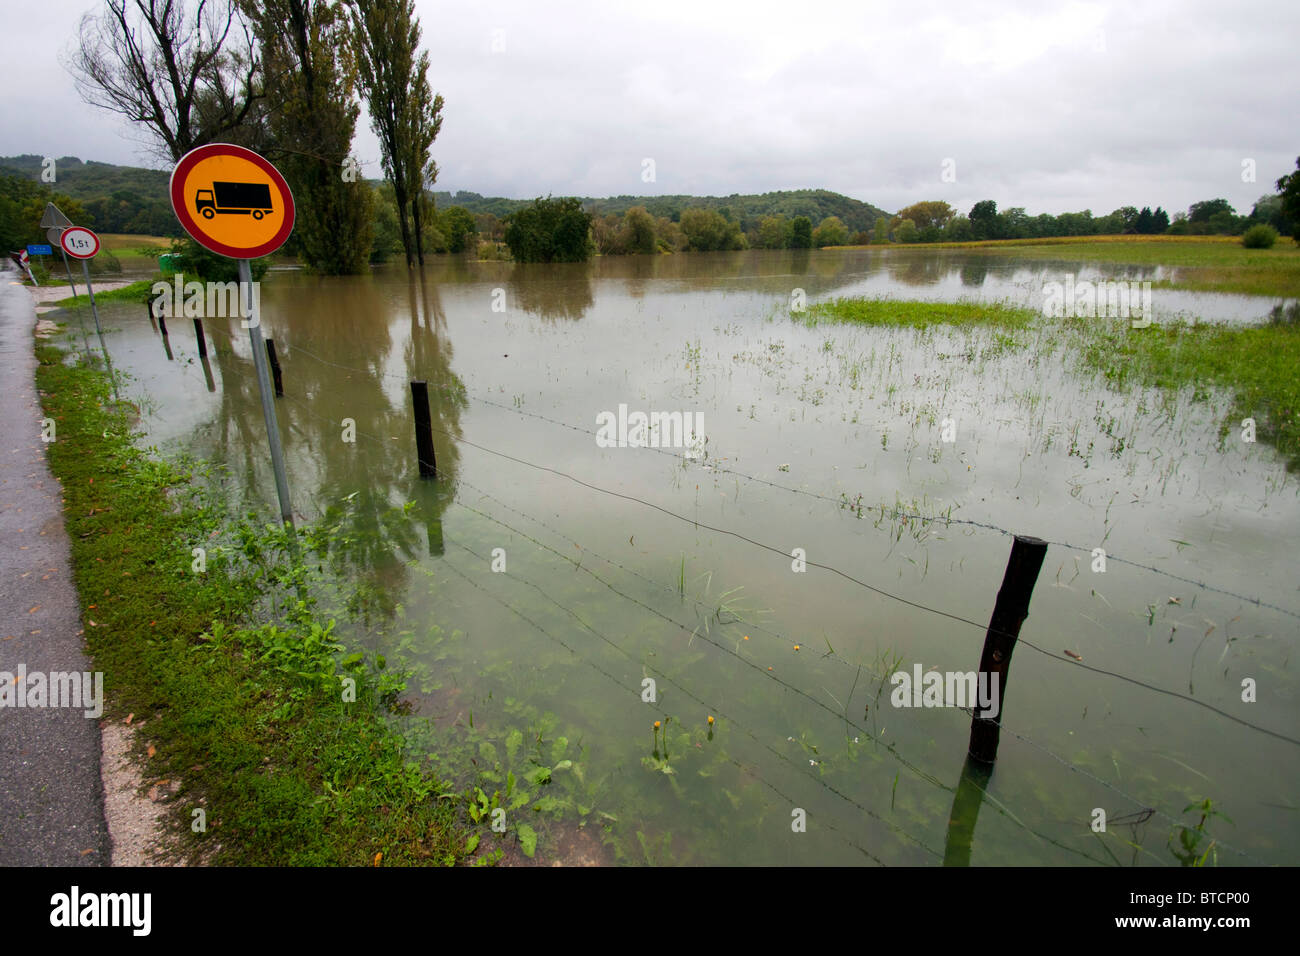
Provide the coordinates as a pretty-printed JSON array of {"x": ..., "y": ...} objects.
[
  {"x": 251, "y": 718},
  {"x": 135, "y": 292}
]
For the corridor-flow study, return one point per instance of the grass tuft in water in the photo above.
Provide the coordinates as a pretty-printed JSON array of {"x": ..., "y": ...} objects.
[{"x": 918, "y": 315}]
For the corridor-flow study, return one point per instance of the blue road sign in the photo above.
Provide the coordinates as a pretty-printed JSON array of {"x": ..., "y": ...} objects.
[{"x": 35, "y": 250}]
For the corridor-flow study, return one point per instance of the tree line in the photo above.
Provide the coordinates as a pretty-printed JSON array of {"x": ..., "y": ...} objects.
[
  {"x": 287, "y": 78},
  {"x": 937, "y": 221},
  {"x": 565, "y": 230}
]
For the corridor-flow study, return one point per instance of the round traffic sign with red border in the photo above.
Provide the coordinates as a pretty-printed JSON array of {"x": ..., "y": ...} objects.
[
  {"x": 79, "y": 242},
  {"x": 232, "y": 201}
]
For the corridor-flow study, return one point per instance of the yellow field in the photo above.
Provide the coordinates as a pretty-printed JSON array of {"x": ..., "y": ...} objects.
[{"x": 114, "y": 242}]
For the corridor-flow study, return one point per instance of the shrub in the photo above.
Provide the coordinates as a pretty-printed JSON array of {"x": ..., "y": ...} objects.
[
  {"x": 1259, "y": 237},
  {"x": 906, "y": 231},
  {"x": 550, "y": 230}
]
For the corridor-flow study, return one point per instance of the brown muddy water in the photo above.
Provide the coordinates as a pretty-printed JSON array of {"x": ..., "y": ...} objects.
[{"x": 537, "y": 671}]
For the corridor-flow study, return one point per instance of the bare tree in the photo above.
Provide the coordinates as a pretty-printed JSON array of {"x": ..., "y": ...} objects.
[{"x": 188, "y": 71}]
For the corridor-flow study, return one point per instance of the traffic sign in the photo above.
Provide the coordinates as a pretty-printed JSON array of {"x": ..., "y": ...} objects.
[
  {"x": 54, "y": 218},
  {"x": 79, "y": 242},
  {"x": 39, "y": 250},
  {"x": 232, "y": 201}
]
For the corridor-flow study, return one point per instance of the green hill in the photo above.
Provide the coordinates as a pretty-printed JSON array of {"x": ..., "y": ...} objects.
[
  {"x": 132, "y": 199},
  {"x": 117, "y": 198},
  {"x": 748, "y": 210}
]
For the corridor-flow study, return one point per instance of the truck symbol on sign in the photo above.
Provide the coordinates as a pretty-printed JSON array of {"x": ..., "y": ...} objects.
[{"x": 237, "y": 199}]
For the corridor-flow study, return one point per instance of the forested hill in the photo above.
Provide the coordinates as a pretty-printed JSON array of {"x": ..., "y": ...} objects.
[
  {"x": 816, "y": 204},
  {"x": 134, "y": 200},
  {"x": 118, "y": 198}
]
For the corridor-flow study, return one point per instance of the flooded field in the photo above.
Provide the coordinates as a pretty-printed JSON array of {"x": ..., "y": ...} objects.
[{"x": 683, "y": 655}]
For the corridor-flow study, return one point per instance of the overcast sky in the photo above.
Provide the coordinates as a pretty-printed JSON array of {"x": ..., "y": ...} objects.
[{"x": 1054, "y": 107}]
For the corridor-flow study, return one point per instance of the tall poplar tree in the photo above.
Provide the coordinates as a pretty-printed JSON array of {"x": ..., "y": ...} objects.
[
  {"x": 312, "y": 111},
  {"x": 404, "y": 114}
]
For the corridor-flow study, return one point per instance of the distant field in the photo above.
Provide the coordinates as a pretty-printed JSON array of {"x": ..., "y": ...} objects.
[
  {"x": 1203, "y": 263},
  {"x": 133, "y": 248}
]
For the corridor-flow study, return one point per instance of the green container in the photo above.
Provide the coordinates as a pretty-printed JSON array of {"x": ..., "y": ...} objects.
[{"x": 170, "y": 262}]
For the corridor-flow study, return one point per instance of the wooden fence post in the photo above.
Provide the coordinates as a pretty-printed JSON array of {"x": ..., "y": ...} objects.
[
  {"x": 275, "y": 367},
  {"x": 198, "y": 332},
  {"x": 423, "y": 429},
  {"x": 1009, "y": 614}
]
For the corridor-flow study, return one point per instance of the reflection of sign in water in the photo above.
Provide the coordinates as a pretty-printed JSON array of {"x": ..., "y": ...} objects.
[
  {"x": 232, "y": 201},
  {"x": 239, "y": 199}
]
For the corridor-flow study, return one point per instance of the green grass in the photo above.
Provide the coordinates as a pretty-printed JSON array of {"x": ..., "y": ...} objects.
[
  {"x": 1202, "y": 263},
  {"x": 135, "y": 249},
  {"x": 135, "y": 292},
  {"x": 1257, "y": 363},
  {"x": 249, "y": 718},
  {"x": 920, "y": 315}
]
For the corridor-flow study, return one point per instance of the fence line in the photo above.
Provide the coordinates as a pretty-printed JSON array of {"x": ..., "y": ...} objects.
[
  {"x": 923, "y": 518},
  {"x": 883, "y": 593},
  {"x": 1024, "y": 738},
  {"x": 891, "y": 513},
  {"x": 708, "y": 708},
  {"x": 955, "y": 617},
  {"x": 916, "y": 770}
]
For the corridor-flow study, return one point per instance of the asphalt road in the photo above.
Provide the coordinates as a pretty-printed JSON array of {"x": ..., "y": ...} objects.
[{"x": 51, "y": 795}]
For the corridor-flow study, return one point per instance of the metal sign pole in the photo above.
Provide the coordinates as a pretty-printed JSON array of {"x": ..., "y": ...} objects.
[
  {"x": 264, "y": 387},
  {"x": 85, "y": 271},
  {"x": 68, "y": 269},
  {"x": 99, "y": 332}
]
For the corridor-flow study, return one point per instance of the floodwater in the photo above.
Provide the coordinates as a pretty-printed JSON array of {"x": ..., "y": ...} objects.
[{"x": 622, "y": 566}]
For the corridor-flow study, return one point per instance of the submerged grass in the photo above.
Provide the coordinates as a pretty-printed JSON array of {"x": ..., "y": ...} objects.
[
  {"x": 1258, "y": 363},
  {"x": 919, "y": 315},
  {"x": 252, "y": 719}
]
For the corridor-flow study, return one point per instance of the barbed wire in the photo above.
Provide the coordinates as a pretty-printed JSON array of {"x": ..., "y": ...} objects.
[
  {"x": 708, "y": 707},
  {"x": 882, "y": 676},
  {"x": 914, "y": 769},
  {"x": 841, "y": 502},
  {"x": 895, "y": 597}
]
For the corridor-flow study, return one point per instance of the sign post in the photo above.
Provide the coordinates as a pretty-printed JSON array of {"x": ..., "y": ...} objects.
[
  {"x": 54, "y": 222},
  {"x": 80, "y": 243},
  {"x": 233, "y": 202},
  {"x": 24, "y": 263}
]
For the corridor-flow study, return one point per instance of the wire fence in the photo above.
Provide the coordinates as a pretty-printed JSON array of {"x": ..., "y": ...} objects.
[{"x": 757, "y": 669}]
